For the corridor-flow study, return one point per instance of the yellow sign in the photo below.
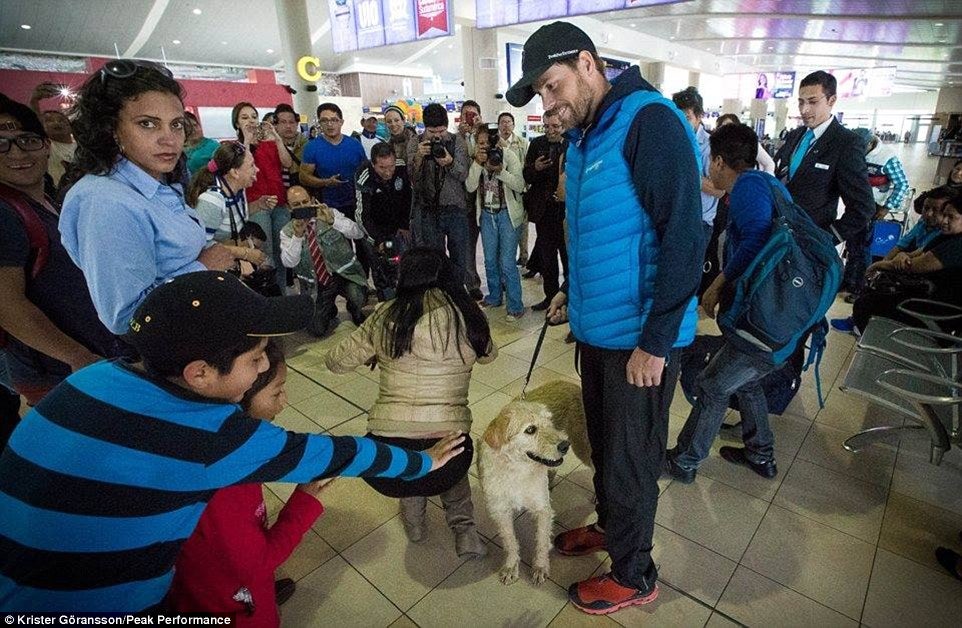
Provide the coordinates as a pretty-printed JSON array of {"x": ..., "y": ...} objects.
[{"x": 308, "y": 68}]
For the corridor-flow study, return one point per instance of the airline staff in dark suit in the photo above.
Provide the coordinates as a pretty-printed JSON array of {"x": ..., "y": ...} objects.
[{"x": 822, "y": 161}]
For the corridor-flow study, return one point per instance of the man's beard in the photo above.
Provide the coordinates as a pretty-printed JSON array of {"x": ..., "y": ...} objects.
[{"x": 575, "y": 113}]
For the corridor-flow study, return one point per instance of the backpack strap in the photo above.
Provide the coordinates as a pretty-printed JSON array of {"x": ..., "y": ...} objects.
[
  {"x": 816, "y": 349},
  {"x": 36, "y": 233}
]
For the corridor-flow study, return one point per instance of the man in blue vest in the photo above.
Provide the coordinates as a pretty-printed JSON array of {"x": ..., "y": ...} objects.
[{"x": 635, "y": 252}]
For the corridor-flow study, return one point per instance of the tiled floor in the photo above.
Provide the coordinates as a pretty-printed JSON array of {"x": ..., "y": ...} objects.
[{"x": 837, "y": 539}]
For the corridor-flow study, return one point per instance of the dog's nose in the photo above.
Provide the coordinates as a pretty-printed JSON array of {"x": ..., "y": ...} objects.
[{"x": 563, "y": 446}]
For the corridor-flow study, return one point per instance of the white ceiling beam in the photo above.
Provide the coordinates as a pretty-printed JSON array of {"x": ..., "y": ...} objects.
[
  {"x": 809, "y": 40},
  {"x": 150, "y": 24},
  {"x": 808, "y": 17}
]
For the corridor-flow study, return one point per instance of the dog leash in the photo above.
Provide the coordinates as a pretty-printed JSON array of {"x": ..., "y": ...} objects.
[{"x": 534, "y": 358}]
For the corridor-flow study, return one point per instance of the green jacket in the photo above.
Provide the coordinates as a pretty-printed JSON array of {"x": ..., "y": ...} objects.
[{"x": 338, "y": 254}]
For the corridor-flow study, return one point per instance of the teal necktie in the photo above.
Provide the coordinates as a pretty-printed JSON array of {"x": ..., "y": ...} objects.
[{"x": 800, "y": 151}]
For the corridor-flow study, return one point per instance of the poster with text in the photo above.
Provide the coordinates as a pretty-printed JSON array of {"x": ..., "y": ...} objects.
[
  {"x": 359, "y": 24},
  {"x": 784, "y": 85},
  {"x": 433, "y": 18},
  {"x": 492, "y": 13}
]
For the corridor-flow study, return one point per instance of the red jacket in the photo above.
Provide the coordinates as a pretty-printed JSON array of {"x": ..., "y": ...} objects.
[
  {"x": 232, "y": 548},
  {"x": 270, "y": 174}
]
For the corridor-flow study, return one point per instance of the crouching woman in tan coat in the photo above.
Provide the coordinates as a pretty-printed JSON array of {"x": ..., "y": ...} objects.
[{"x": 425, "y": 342}]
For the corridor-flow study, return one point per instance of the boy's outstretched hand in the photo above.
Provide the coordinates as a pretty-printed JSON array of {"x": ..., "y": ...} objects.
[{"x": 445, "y": 449}]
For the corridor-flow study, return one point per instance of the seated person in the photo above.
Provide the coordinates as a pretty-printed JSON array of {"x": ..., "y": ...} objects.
[
  {"x": 227, "y": 565},
  {"x": 929, "y": 206},
  {"x": 938, "y": 262},
  {"x": 107, "y": 477},
  {"x": 321, "y": 255}
]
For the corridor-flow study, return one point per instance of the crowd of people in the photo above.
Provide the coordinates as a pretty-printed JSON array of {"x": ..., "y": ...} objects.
[{"x": 143, "y": 268}]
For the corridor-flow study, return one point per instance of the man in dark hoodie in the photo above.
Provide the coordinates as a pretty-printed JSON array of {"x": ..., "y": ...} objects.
[{"x": 635, "y": 253}]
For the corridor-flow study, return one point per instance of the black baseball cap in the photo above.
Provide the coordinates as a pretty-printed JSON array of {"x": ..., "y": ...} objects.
[
  {"x": 548, "y": 45},
  {"x": 198, "y": 314}
]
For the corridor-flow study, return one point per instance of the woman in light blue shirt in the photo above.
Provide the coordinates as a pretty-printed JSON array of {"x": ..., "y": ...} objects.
[{"x": 125, "y": 222}]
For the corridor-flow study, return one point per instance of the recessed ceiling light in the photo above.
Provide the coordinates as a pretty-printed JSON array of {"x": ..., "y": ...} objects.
[
  {"x": 176, "y": 42},
  {"x": 270, "y": 51},
  {"x": 633, "y": 25},
  {"x": 357, "y": 58},
  {"x": 672, "y": 37},
  {"x": 223, "y": 43},
  {"x": 197, "y": 11},
  {"x": 939, "y": 24},
  {"x": 25, "y": 27}
]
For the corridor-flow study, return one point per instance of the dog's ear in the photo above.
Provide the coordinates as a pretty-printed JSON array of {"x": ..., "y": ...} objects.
[{"x": 497, "y": 433}]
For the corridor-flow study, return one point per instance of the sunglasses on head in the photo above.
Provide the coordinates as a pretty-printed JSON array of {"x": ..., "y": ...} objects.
[
  {"x": 125, "y": 68},
  {"x": 26, "y": 141}
]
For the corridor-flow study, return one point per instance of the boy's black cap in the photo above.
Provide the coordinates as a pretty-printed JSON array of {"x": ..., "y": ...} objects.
[
  {"x": 548, "y": 45},
  {"x": 197, "y": 314}
]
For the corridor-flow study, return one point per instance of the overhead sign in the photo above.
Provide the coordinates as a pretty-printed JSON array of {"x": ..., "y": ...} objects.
[
  {"x": 873, "y": 82},
  {"x": 784, "y": 85},
  {"x": 491, "y": 13},
  {"x": 359, "y": 24}
]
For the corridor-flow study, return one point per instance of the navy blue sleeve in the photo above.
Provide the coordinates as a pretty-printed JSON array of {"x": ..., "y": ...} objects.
[
  {"x": 750, "y": 214},
  {"x": 666, "y": 179}
]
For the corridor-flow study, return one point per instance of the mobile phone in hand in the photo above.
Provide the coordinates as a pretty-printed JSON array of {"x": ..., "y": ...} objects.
[{"x": 307, "y": 212}]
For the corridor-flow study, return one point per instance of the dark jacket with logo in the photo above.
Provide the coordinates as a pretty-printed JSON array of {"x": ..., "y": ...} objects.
[{"x": 383, "y": 207}]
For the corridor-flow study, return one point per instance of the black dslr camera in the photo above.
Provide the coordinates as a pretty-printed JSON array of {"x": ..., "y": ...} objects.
[
  {"x": 438, "y": 148},
  {"x": 495, "y": 154}
]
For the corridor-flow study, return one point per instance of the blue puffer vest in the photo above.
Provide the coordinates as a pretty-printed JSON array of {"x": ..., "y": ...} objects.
[{"x": 613, "y": 249}]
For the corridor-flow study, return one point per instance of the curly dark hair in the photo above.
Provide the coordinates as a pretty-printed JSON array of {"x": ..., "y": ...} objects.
[
  {"x": 230, "y": 155},
  {"x": 97, "y": 112}
]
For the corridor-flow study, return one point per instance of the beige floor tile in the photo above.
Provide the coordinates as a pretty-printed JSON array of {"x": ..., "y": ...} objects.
[
  {"x": 281, "y": 490},
  {"x": 819, "y": 562},
  {"x": 851, "y": 414},
  {"x": 823, "y": 446},
  {"x": 523, "y": 348},
  {"x": 712, "y": 514},
  {"x": 327, "y": 409},
  {"x": 690, "y": 567},
  {"x": 743, "y": 478},
  {"x": 293, "y": 420},
  {"x": 310, "y": 553},
  {"x": 273, "y": 503},
  {"x": 539, "y": 377},
  {"x": 717, "y": 620},
  {"x": 473, "y": 596},
  {"x": 839, "y": 501},
  {"x": 564, "y": 364},
  {"x": 582, "y": 476},
  {"x": 502, "y": 333},
  {"x": 903, "y": 593},
  {"x": 356, "y": 426},
  {"x": 754, "y": 600},
  {"x": 563, "y": 570},
  {"x": 484, "y": 411},
  {"x": 504, "y": 370},
  {"x": 936, "y": 485},
  {"x": 571, "y": 617},
  {"x": 403, "y": 571},
  {"x": 404, "y": 622},
  {"x": 478, "y": 391},
  {"x": 361, "y": 392},
  {"x": 559, "y": 333},
  {"x": 352, "y": 510},
  {"x": 913, "y": 529},
  {"x": 573, "y": 505},
  {"x": 337, "y": 595},
  {"x": 300, "y": 388},
  {"x": 679, "y": 404},
  {"x": 319, "y": 372}
]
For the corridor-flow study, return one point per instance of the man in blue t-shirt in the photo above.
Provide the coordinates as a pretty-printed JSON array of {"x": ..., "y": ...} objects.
[
  {"x": 738, "y": 367},
  {"x": 329, "y": 163}
]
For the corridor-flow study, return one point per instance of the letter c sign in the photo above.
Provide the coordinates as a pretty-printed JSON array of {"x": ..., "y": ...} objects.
[{"x": 307, "y": 69}]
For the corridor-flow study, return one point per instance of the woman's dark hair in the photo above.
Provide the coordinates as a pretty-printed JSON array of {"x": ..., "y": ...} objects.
[
  {"x": 235, "y": 114},
  {"x": 506, "y": 114},
  {"x": 820, "y": 77},
  {"x": 736, "y": 144},
  {"x": 730, "y": 117},
  {"x": 424, "y": 269},
  {"x": 275, "y": 356},
  {"x": 689, "y": 98},
  {"x": 96, "y": 115},
  {"x": 230, "y": 155},
  {"x": 29, "y": 122}
]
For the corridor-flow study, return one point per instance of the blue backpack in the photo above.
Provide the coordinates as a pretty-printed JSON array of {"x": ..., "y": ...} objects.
[{"x": 787, "y": 289}]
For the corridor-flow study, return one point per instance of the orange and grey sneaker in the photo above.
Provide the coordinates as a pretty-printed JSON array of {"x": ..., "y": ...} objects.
[
  {"x": 603, "y": 594},
  {"x": 580, "y": 541}
]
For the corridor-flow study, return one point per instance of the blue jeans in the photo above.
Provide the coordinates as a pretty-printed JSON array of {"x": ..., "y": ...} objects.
[
  {"x": 731, "y": 372},
  {"x": 432, "y": 226},
  {"x": 272, "y": 221},
  {"x": 499, "y": 239}
]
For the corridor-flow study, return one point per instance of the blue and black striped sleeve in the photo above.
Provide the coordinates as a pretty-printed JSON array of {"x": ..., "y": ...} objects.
[
  {"x": 668, "y": 184},
  {"x": 272, "y": 454}
]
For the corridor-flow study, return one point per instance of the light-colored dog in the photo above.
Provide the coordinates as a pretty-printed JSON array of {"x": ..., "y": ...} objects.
[{"x": 526, "y": 440}]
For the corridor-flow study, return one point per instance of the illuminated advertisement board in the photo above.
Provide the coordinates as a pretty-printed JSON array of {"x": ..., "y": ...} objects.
[{"x": 359, "y": 24}]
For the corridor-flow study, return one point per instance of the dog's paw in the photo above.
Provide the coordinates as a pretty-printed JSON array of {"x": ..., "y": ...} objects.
[
  {"x": 508, "y": 574},
  {"x": 539, "y": 574}
]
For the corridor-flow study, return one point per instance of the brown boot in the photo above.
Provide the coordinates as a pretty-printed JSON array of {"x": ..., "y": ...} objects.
[
  {"x": 412, "y": 517},
  {"x": 459, "y": 514}
]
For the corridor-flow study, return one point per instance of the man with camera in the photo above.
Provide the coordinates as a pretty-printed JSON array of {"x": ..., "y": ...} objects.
[
  {"x": 495, "y": 175},
  {"x": 438, "y": 163},
  {"x": 316, "y": 244},
  {"x": 384, "y": 212},
  {"x": 542, "y": 169},
  {"x": 470, "y": 118}
]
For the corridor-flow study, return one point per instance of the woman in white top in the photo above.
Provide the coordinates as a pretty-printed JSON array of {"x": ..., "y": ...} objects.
[
  {"x": 217, "y": 193},
  {"x": 764, "y": 161}
]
